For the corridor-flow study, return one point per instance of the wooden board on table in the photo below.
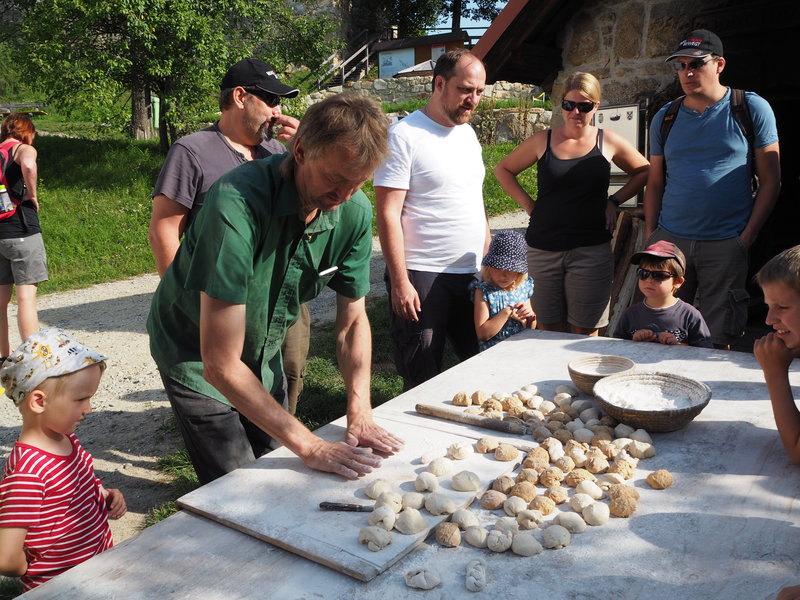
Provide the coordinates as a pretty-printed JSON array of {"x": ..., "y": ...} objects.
[{"x": 276, "y": 499}]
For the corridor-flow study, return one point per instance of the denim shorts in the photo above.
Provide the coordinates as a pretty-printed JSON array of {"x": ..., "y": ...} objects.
[{"x": 23, "y": 261}]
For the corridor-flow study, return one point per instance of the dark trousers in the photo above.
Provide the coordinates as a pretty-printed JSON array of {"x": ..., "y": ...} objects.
[
  {"x": 217, "y": 437},
  {"x": 295, "y": 351},
  {"x": 447, "y": 313}
]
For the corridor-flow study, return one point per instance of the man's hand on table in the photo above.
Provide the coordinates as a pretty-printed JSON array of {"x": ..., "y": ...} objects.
[
  {"x": 342, "y": 459},
  {"x": 364, "y": 432}
]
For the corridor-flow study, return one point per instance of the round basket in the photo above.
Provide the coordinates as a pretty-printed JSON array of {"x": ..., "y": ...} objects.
[
  {"x": 627, "y": 386},
  {"x": 587, "y": 371}
]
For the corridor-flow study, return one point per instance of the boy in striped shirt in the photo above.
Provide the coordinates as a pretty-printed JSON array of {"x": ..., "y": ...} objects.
[{"x": 53, "y": 509}]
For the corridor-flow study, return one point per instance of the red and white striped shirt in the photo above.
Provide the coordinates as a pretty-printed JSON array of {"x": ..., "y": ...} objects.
[{"x": 58, "y": 500}]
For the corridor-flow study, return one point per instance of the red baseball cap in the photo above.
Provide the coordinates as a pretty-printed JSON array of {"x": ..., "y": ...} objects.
[{"x": 661, "y": 249}]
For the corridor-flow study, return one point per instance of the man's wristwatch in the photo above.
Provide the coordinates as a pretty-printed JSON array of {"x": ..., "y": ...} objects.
[{"x": 613, "y": 199}]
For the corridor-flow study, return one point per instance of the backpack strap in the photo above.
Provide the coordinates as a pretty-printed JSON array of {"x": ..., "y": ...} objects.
[
  {"x": 741, "y": 114},
  {"x": 666, "y": 127}
]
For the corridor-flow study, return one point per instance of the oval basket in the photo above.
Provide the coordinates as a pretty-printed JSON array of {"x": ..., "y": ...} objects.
[
  {"x": 654, "y": 420},
  {"x": 587, "y": 371}
]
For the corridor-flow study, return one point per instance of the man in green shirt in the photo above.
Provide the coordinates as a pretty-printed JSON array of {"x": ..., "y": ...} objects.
[{"x": 271, "y": 235}]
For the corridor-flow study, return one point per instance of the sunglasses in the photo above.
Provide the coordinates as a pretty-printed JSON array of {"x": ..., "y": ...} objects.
[
  {"x": 645, "y": 274},
  {"x": 692, "y": 65},
  {"x": 270, "y": 100},
  {"x": 584, "y": 107}
]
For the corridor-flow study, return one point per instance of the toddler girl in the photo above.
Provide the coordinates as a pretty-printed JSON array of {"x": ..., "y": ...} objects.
[{"x": 502, "y": 299}]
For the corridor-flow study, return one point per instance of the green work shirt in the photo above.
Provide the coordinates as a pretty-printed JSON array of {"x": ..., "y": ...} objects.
[{"x": 249, "y": 245}]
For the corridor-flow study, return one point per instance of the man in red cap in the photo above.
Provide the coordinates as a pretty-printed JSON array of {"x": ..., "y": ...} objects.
[
  {"x": 699, "y": 190},
  {"x": 250, "y": 95}
]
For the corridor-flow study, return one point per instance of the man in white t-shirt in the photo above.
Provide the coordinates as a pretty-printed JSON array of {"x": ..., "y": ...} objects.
[{"x": 432, "y": 222}]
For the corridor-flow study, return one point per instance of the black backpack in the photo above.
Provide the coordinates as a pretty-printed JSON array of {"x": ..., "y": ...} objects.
[{"x": 741, "y": 114}]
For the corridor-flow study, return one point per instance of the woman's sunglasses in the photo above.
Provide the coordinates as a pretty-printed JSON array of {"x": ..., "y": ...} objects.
[
  {"x": 659, "y": 276},
  {"x": 584, "y": 107},
  {"x": 270, "y": 100}
]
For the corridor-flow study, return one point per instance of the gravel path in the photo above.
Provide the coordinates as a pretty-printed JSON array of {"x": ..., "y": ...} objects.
[{"x": 132, "y": 425}]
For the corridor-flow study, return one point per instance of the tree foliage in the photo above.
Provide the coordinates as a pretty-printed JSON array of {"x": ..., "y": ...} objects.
[{"x": 93, "y": 55}]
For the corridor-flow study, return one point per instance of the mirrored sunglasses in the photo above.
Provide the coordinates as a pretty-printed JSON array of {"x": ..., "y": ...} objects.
[
  {"x": 584, "y": 107},
  {"x": 692, "y": 65},
  {"x": 270, "y": 100},
  {"x": 659, "y": 276}
]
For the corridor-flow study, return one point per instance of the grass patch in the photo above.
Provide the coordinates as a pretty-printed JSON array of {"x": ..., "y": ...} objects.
[{"x": 184, "y": 480}]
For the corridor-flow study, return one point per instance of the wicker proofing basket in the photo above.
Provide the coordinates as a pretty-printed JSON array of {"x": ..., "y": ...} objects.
[
  {"x": 654, "y": 420},
  {"x": 587, "y": 371}
]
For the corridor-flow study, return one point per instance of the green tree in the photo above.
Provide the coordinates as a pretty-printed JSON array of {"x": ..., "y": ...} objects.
[
  {"x": 95, "y": 56},
  {"x": 485, "y": 10}
]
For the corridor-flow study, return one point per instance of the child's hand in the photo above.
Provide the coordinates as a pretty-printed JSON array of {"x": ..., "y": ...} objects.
[
  {"x": 666, "y": 337},
  {"x": 772, "y": 353},
  {"x": 115, "y": 502},
  {"x": 522, "y": 311},
  {"x": 644, "y": 335}
]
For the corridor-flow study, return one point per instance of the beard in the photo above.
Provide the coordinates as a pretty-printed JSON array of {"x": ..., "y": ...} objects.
[
  {"x": 266, "y": 130},
  {"x": 460, "y": 114}
]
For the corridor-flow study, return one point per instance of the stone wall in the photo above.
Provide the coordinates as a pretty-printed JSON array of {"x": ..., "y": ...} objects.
[
  {"x": 624, "y": 43},
  {"x": 401, "y": 89}
]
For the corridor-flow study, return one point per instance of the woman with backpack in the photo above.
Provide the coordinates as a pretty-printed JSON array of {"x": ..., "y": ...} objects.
[{"x": 23, "y": 262}]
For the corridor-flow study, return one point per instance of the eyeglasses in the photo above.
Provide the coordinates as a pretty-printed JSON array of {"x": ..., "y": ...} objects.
[
  {"x": 645, "y": 274},
  {"x": 584, "y": 107},
  {"x": 692, "y": 65},
  {"x": 270, "y": 100}
]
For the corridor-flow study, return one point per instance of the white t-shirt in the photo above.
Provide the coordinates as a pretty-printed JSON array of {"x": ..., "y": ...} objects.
[{"x": 443, "y": 217}]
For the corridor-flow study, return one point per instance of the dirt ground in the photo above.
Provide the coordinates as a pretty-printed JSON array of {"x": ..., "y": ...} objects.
[{"x": 131, "y": 425}]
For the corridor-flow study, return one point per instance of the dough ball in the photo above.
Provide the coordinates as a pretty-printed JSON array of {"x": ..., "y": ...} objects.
[
  {"x": 557, "y": 494},
  {"x": 574, "y": 477},
  {"x": 565, "y": 463},
  {"x": 507, "y": 524},
  {"x": 504, "y": 483},
  {"x": 563, "y": 435},
  {"x": 583, "y": 435},
  {"x": 492, "y": 499},
  {"x": 529, "y": 519},
  {"x": 429, "y": 456},
  {"x": 562, "y": 400},
  {"x": 556, "y": 452},
  {"x": 525, "y": 544},
  {"x": 534, "y": 402},
  {"x": 448, "y": 534},
  {"x": 589, "y": 488},
  {"x": 413, "y": 500},
  {"x": 590, "y": 414},
  {"x": 608, "y": 479},
  {"x": 597, "y": 464},
  {"x": 549, "y": 443},
  {"x": 530, "y": 388},
  {"x": 580, "y": 501},
  {"x": 391, "y": 499},
  {"x": 513, "y": 505},
  {"x": 377, "y": 487},
  {"x": 572, "y": 522},
  {"x": 506, "y": 452},
  {"x": 479, "y": 397},
  {"x": 622, "y": 507},
  {"x": 476, "y": 536},
  {"x": 464, "y": 518},
  {"x": 465, "y": 481},
  {"x": 551, "y": 476},
  {"x": 640, "y": 435},
  {"x": 555, "y": 537},
  {"x": 567, "y": 389},
  {"x": 554, "y": 426},
  {"x": 376, "y": 538},
  {"x": 543, "y": 504},
  {"x": 439, "y": 504},
  {"x": 499, "y": 540},
  {"x": 531, "y": 475},
  {"x": 524, "y": 489},
  {"x": 622, "y": 491},
  {"x": 596, "y": 514},
  {"x": 641, "y": 449},
  {"x": 623, "y": 431},
  {"x": 512, "y": 402},
  {"x": 537, "y": 463},
  {"x": 486, "y": 444},
  {"x": 660, "y": 480},
  {"x": 426, "y": 482},
  {"x": 578, "y": 457},
  {"x": 476, "y": 575},
  {"x": 410, "y": 521},
  {"x": 440, "y": 466},
  {"x": 559, "y": 416},
  {"x": 423, "y": 579},
  {"x": 383, "y": 517},
  {"x": 622, "y": 467},
  {"x": 540, "y": 433},
  {"x": 547, "y": 406},
  {"x": 492, "y": 405},
  {"x": 460, "y": 450},
  {"x": 461, "y": 399}
]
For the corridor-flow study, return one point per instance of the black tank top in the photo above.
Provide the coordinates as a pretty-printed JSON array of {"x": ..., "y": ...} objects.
[
  {"x": 25, "y": 221},
  {"x": 570, "y": 207}
]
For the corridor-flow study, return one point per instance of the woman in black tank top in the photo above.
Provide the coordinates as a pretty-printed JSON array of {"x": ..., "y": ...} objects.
[
  {"x": 571, "y": 220},
  {"x": 23, "y": 263}
]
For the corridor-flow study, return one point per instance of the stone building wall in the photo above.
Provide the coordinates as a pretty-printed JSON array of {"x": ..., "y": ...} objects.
[{"x": 624, "y": 43}]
